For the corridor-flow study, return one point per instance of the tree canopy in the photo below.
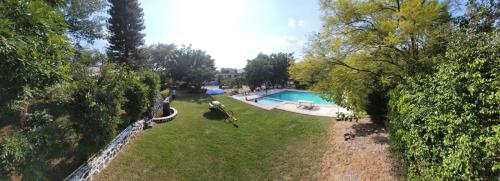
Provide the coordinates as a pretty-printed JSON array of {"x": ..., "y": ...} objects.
[
  {"x": 191, "y": 66},
  {"x": 33, "y": 48},
  {"x": 268, "y": 69}
]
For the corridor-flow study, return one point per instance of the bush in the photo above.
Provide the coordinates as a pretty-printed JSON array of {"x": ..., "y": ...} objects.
[
  {"x": 96, "y": 107},
  {"x": 164, "y": 94},
  {"x": 28, "y": 152},
  {"x": 137, "y": 101},
  {"x": 152, "y": 81},
  {"x": 446, "y": 126}
]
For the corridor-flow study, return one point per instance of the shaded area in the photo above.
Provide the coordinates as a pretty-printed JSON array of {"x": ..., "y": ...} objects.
[
  {"x": 367, "y": 129},
  {"x": 215, "y": 115}
]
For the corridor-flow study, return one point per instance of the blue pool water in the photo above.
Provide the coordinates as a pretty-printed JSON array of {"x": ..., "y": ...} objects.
[
  {"x": 295, "y": 96},
  {"x": 268, "y": 101}
]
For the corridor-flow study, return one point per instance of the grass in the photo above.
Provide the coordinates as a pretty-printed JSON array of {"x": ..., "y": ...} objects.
[{"x": 199, "y": 145}]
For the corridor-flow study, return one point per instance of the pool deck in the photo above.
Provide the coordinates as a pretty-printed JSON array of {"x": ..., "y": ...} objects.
[{"x": 325, "y": 110}]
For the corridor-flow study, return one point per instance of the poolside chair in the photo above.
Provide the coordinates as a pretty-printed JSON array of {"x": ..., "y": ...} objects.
[{"x": 305, "y": 104}]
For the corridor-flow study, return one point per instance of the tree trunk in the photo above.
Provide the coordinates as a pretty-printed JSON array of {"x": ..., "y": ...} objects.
[{"x": 23, "y": 113}]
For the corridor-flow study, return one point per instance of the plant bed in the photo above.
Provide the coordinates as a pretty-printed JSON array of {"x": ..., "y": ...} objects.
[{"x": 162, "y": 119}]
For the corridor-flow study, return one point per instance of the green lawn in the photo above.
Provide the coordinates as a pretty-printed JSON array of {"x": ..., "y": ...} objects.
[{"x": 198, "y": 145}]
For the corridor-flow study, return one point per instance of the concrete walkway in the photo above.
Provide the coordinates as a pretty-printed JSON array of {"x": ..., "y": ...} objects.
[{"x": 328, "y": 110}]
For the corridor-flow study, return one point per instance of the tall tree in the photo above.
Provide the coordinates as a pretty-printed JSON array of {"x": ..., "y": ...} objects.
[
  {"x": 258, "y": 70},
  {"x": 125, "y": 26},
  {"x": 268, "y": 69},
  {"x": 280, "y": 63},
  {"x": 377, "y": 43},
  {"x": 192, "y": 66}
]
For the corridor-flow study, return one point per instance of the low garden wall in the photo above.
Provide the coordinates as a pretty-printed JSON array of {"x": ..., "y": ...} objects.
[{"x": 100, "y": 160}]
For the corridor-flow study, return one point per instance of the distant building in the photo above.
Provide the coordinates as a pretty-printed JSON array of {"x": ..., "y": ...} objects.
[{"x": 227, "y": 73}]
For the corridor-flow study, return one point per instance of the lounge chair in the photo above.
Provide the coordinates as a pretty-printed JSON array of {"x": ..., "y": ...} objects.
[{"x": 305, "y": 104}]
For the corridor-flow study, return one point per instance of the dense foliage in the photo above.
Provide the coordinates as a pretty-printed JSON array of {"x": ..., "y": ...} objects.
[
  {"x": 28, "y": 152},
  {"x": 446, "y": 125},
  {"x": 367, "y": 47},
  {"x": 125, "y": 25},
  {"x": 440, "y": 79},
  {"x": 136, "y": 94},
  {"x": 185, "y": 64},
  {"x": 85, "y": 19},
  {"x": 268, "y": 69},
  {"x": 96, "y": 107},
  {"x": 33, "y": 48}
]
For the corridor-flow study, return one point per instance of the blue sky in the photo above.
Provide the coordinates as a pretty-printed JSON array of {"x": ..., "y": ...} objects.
[{"x": 232, "y": 31}]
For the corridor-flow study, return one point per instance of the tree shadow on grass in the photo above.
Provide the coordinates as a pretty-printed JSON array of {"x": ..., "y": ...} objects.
[
  {"x": 215, "y": 115},
  {"x": 367, "y": 129}
]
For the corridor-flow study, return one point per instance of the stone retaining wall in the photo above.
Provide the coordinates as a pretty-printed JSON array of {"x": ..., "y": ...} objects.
[{"x": 99, "y": 161}]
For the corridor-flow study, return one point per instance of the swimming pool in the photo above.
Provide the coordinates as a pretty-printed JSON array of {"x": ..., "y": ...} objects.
[
  {"x": 295, "y": 96},
  {"x": 267, "y": 101}
]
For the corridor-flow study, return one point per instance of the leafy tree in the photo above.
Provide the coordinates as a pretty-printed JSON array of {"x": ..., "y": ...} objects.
[
  {"x": 125, "y": 25},
  {"x": 280, "y": 63},
  {"x": 258, "y": 70},
  {"x": 375, "y": 44},
  {"x": 446, "y": 125},
  {"x": 480, "y": 15},
  {"x": 89, "y": 57},
  {"x": 33, "y": 49},
  {"x": 84, "y": 19},
  {"x": 268, "y": 69},
  {"x": 191, "y": 66},
  {"x": 158, "y": 57}
]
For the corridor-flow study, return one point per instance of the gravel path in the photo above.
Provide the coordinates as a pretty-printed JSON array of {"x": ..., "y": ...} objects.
[{"x": 364, "y": 157}]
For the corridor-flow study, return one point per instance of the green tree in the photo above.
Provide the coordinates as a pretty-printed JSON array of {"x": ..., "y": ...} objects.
[
  {"x": 446, "y": 125},
  {"x": 158, "y": 58},
  {"x": 376, "y": 44},
  {"x": 480, "y": 15},
  {"x": 191, "y": 66},
  {"x": 258, "y": 70},
  {"x": 125, "y": 25},
  {"x": 280, "y": 63},
  {"x": 85, "y": 19},
  {"x": 271, "y": 69},
  {"x": 33, "y": 49}
]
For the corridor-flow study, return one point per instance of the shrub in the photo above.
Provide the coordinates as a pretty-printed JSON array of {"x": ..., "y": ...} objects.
[
  {"x": 446, "y": 126},
  {"x": 137, "y": 101},
  {"x": 96, "y": 107},
  {"x": 164, "y": 94},
  {"x": 28, "y": 152},
  {"x": 152, "y": 81}
]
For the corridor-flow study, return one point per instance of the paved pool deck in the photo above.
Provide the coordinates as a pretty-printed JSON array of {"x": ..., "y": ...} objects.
[{"x": 325, "y": 110}]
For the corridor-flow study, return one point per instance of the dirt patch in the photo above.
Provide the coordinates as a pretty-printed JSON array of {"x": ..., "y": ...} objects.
[{"x": 363, "y": 156}]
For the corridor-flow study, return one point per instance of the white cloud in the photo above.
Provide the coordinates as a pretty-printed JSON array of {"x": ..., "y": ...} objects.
[
  {"x": 301, "y": 23},
  {"x": 291, "y": 22}
]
